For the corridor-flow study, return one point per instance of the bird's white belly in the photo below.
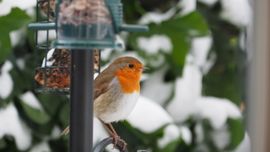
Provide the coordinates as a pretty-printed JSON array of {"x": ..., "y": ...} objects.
[{"x": 124, "y": 107}]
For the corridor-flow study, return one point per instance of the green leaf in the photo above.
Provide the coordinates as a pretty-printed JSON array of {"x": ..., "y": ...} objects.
[
  {"x": 14, "y": 20},
  {"x": 5, "y": 45},
  {"x": 36, "y": 115},
  {"x": 237, "y": 132}
]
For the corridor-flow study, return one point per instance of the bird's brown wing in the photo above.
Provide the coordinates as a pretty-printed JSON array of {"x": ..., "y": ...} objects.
[{"x": 101, "y": 83}]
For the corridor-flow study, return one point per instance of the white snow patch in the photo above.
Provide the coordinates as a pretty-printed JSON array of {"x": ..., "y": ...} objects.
[
  {"x": 99, "y": 132},
  {"x": 188, "y": 101},
  {"x": 156, "y": 89},
  {"x": 6, "y": 82},
  {"x": 15, "y": 36},
  {"x": 11, "y": 124},
  {"x": 148, "y": 116},
  {"x": 31, "y": 100},
  {"x": 157, "y": 61},
  {"x": 41, "y": 147},
  {"x": 171, "y": 133},
  {"x": 245, "y": 145},
  {"x": 155, "y": 43},
  {"x": 187, "y": 91},
  {"x": 186, "y": 134},
  {"x": 6, "y": 5},
  {"x": 208, "y": 2},
  {"x": 56, "y": 132},
  {"x": 20, "y": 63},
  {"x": 187, "y": 6},
  {"x": 217, "y": 110},
  {"x": 6, "y": 67},
  {"x": 157, "y": 17},
  {"x": 221, "y": 137},
  {"x": 200, "y": 49},
  {"x": 237, "y": 12},
  {"x": 199, "y": 133}
]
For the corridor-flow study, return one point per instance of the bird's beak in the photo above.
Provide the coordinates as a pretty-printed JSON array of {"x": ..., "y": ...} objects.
[{"x": 145, "y": 68}]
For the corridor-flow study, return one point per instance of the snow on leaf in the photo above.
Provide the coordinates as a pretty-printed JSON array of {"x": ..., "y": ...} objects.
[
  {"x": 30, "y": 99},
  {"x": 208, "y": 2},
  {"x": 171, "y": 133},
  {"x": 217, "y": 110},
  {"x": 155, "y": 43},
  {"x": 6, "y": 82},
  {"x": 41, "y": 147},
  {"x": 10, "y": 117},
  {"x": 200, "y": 48},
  {"x": 99, "y": 131},
  {"x": 156, "y": 89},
  {"x": 186, "y": 134},
  {"x": 156, "y": 17},
  {"x": 187, "y": 6},
  {"x": 221, "y": 137},
  {"x": 238, "y": 12},
  {"x": 187, "y": 91},
  {"x": 148, "y": 116}
]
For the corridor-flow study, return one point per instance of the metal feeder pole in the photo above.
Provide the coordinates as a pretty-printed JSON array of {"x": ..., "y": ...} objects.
[{"x": 81, "y": 118}]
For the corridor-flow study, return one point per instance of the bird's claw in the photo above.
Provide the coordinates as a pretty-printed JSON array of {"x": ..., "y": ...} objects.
[{"x": 120, "y": 143}]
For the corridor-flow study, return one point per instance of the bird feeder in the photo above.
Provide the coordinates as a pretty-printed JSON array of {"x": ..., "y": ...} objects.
[{"x": 82, "y": 28}]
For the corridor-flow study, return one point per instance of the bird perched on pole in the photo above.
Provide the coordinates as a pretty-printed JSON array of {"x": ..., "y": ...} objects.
[{"x": 116, "y": 91}]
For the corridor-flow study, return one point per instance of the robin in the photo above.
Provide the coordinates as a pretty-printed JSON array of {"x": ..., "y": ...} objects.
[{"x": 116, "y": 91}]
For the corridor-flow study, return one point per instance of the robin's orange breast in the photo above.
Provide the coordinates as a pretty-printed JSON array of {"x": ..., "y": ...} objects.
[{"x": 129, "y": 81}]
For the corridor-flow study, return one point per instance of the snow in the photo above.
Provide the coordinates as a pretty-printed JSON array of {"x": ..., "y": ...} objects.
[
  {"x": 187, "y": 6},
  {"x": 188, "y": 101},
  {"x": 157, "y": 17},
  {"x": 11, "y": 124},
  {"x": 187, "y": 91},
  {"x": 148, "y": 116},
  {"x": 98, "y": 131},
  {"x": 244, "y": 146},
  {"x": 186, "y": 134},
  {"x": 217, "y": 110},
  {"x": 30, "y": 99},
  {"x": 20, "y": 63},
  {"x": 199, "y": 132},
  {"x": 156, "y": 89},
  {"x": 6, "y": 5},
  {"x": 6, "y": 82},
  {"x": 237, "y": 12},
  {"x": 41, "y": 147},
  {"x": 208, "y": 2},
  {"x": 221, "y": 137},
  {"x": 15, "y": 36},
  {"x": 56, "y": 132},
  {"x": 155, "y": 43},
  {"x": 200, "y": 48},
  {"x": 171, "y": 133}
]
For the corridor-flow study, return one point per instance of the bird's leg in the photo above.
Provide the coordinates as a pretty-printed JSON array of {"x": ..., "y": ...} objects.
[
  {"x": 117, "y": 137},
  {"x": 114, "y": 135}
]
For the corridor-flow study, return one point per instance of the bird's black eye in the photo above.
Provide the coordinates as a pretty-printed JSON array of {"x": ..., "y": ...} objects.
[{"x": 131, "y": 66}]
